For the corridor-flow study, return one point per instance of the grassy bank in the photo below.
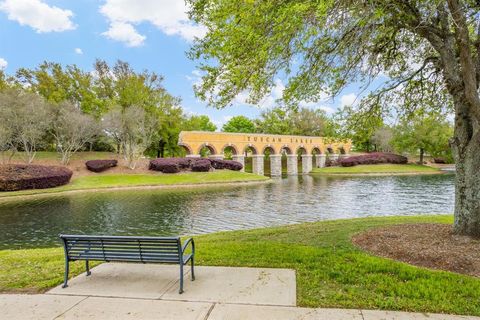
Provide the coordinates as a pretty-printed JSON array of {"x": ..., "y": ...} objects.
[
  {"x": 331, "y": 272},
  {"x": 378, "y": 169},
  {"x": 103, "y": 181}
]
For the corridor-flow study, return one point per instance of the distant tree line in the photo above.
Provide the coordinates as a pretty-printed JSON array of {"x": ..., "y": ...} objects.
[
  {"x": 115, "y": 108},
  {"x": 112, "y": 108},
  {"x": 418, "y": 132}
]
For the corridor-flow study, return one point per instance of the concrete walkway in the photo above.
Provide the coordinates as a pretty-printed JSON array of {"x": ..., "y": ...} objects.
[{"x": 135, "y": 291}]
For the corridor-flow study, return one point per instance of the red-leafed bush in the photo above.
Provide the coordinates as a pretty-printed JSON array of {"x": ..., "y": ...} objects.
[
  {"x": 21, "y": 177},
  {"x": 174, "y": 165},
  {"x": 329, "y": 162},
  {"x": 100, "y": 165},
  {"x": 226, "y": 164},
  {"x": 201, "y": 165},
  {"x": 165, "y": 165},
  {"x": 373, "y": 158}
]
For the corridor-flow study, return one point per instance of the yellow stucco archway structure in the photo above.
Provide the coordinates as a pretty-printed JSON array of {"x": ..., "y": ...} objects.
[{"x": 216, "y": 142}]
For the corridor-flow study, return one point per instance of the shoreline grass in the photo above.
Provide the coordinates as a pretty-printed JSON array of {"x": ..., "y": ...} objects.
[
  {"x": 106, "y": 181},
  {"x": 378, "y": 169},
  {"x": 331, "y": 271}
]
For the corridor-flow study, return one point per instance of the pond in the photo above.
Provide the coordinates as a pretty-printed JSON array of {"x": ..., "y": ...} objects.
[{"x": 37, "y": 222}]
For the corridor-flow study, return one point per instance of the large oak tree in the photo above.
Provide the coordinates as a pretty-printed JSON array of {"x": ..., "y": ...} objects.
[{"x": 428, "y": 49}]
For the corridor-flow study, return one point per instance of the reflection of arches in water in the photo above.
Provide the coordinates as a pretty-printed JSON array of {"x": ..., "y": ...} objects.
[{"x": 206, "y": 150}]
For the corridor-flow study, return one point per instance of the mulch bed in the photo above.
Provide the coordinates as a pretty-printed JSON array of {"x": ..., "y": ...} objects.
[{"x": 427, "y": 245}]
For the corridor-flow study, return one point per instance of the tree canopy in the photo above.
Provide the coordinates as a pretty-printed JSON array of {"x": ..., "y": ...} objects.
[
  {"x": 239, "y": 124},
  {"x": 425, "y": 53}
]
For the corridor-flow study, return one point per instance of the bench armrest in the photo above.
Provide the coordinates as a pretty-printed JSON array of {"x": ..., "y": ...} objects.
[{"x": 192, "y": 243}]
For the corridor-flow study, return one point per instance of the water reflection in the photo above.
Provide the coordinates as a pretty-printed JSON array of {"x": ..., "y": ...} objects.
[{"x": 36, "y": 223}]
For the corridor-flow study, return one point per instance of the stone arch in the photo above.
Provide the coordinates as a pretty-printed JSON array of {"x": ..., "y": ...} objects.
[
  {"x": 250, "y": 147},
  {"x": 287, "y": 149},
  {"x": 341, "y": 150},
  {"x": 210, "y": 147},
  {"x": 269, "y": 147},
  {"x": 187, "y": 148},
  {"x": 316, "y": 150},
  {"x": 330, "y": 149},
  {"x": 233, "y": 147},
  {"x": 301, "y": 150}
]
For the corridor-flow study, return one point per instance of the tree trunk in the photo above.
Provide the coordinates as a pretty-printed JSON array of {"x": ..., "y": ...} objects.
[
  {"x": 422, "y": 152},
  {"x": 466, "y": 150},
  {"x": 161, "y": 149}
]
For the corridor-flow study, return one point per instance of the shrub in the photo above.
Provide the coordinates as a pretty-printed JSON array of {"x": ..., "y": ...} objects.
[
  {"x": 165, "y": 165},
  {"x": 100, "y": 165},
  {"x": 233, "y": 165},
  {"x": 174, "y": 165},
  {"x": 201, "y": 165},
  {"x": 21, "y": 177},
  {"x": 226, "y": 164},
  {"x": 373, "y": 158}
]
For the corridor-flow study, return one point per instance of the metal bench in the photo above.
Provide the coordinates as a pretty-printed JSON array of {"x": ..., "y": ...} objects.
[{"x": 127, "y": 249}]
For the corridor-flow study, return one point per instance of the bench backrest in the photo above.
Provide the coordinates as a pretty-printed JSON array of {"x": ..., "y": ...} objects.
[{"x": 126, "y": 249}]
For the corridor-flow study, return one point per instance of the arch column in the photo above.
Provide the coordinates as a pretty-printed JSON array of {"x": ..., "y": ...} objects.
[
  {"x": 320, "y": 160},
  {"x": 292, "y": 164},
  {"x": 307, "y": 163},
  {"x": 257, "y": 164},
  {"x": 275, "y": 165},
  {"x": 239, "y": 158}
]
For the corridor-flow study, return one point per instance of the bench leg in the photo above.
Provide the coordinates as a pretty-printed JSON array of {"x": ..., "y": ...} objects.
[
  {"x": 88, "y": 268},
  {"x": 65, "y": 278},
  {"x": 192, "y": 265},
  {"x": 181, "y": 279}
]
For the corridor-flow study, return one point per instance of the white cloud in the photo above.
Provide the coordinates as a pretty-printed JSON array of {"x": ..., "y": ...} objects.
[
  {"x": 126, "y": 33},
  {"x": 38, "y": 15},
  {"x": 167, "y": 15},
  {"x": 78, "y": 51},
  {"x": 348, "y": 99},
  {"x": 3, "y": 63}
]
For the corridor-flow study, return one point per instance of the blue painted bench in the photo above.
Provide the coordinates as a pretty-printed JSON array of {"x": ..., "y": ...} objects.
[{"x": 127, "y": 249}]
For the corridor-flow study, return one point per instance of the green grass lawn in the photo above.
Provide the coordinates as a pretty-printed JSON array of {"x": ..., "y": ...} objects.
[
  {"x": 102, "y": 181},
  {"x": 331, "y": 272},
  {"x": 377, "y": 169}
]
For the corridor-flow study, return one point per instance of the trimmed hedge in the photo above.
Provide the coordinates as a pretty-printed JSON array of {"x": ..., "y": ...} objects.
[
  {"x": 201, "y": 165},
  {"x": 226, "y": 164},
  {"x": 175, "y": 165},
  {"x": 373, "y": 158},
  {"x": 100, "y": 165},
  {"x": 21, "y": 177}
]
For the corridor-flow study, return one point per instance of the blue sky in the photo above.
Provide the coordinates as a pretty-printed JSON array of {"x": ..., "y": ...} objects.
[{"x": 149, "y": 34}]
